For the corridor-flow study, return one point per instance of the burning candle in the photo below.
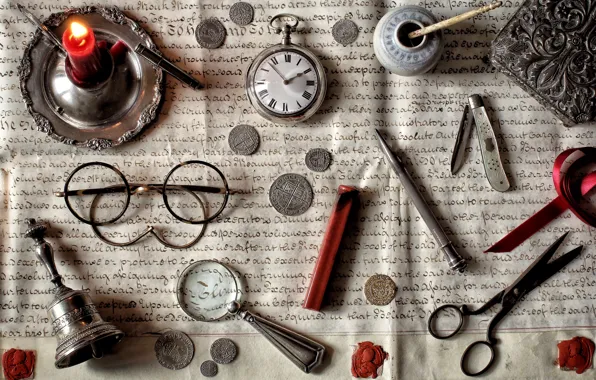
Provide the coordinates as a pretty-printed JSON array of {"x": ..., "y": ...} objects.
[{"x": 83, "y": 54}]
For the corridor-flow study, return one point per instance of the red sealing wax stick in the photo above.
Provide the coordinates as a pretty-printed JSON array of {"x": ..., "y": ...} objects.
[{"x": 331, "y": 241}]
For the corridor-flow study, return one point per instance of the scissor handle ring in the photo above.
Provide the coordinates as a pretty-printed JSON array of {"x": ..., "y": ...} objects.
[
  {"x": 460, "y": 313},
  {"x": 468, "y": 350}
]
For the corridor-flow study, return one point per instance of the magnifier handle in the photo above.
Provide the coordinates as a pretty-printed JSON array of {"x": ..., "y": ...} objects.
[{"x": 302, "y": 351}]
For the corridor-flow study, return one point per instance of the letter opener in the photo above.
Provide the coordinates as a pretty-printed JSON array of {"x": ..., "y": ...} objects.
[
  {"x": 160, "y": 62},
  {"x": 44, "y": 29}
]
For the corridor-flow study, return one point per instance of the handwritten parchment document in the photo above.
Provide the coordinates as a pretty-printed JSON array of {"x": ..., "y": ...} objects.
[{"x": 134, "y": 287}]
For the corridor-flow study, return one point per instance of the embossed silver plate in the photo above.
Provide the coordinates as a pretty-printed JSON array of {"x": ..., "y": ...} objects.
[
  {"x": 100, "y": 118},
  {"x": 548, "y": 48}
]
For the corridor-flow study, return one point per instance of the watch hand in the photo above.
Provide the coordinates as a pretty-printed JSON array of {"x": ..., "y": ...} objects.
[
  {"x": 295, "y": 76},
  {"x": 278, "y": 73}
]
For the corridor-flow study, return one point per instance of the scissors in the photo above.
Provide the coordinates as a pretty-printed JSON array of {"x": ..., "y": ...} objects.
[{"x": 538, "y": 272}]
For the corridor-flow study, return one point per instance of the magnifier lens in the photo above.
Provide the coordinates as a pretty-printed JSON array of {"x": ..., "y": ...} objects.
[{"x": 206, "y": 289}]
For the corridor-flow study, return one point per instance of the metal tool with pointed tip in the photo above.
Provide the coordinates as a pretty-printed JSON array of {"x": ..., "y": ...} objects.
[
  {"x": 44, "y": 29},
  {"x": 456, "y": 262},
  {"x": 538, "y": 272},
  {"x": 475, "y": 113}
]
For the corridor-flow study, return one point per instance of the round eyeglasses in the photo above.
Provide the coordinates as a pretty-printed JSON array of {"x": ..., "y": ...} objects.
[{"x": 98, "y": 194}]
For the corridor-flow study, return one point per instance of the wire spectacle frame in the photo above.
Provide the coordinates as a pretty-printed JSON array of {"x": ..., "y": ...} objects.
[{"x": 138, "y": 188}]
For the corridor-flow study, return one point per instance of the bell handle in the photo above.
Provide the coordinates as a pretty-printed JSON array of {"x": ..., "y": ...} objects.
[
  {"x": 302, "y": 351},
  {"x": 43, "y": 249},
  {"x": 45, "y": 254}
]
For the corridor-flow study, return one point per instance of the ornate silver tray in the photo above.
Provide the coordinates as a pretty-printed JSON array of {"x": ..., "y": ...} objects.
[{"x": 100, "y": 118}]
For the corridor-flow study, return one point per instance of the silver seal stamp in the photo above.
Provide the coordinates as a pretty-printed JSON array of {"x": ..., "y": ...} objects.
[
  {"x": 345, "y": 32},
  {"x": 242, "y": 13},
  {"x": 174, "y": 349},
  {"x": 243, "y": 139},
  {"x": 291, "y": 194},
  {"x": 318, "y": 159},
  {"x": 223, "y": 351},
  {"x": 210, "y": 33}
]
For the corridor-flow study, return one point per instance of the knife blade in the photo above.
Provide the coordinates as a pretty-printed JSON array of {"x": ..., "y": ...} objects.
[{"x": 461, "y": 142}]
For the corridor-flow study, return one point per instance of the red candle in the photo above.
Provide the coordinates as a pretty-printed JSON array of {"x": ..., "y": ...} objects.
[{"x": 83, "y": 54}]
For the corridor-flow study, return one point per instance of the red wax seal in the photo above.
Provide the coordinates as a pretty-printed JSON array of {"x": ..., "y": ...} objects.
[
  {"x": 576, "y": 354},
  {"x": 367, "y": 360},
  {"x": 18, "y": 364}
]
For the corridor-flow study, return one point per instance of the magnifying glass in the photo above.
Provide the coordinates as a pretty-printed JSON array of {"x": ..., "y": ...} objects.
[{"x": 208, "y": 291}]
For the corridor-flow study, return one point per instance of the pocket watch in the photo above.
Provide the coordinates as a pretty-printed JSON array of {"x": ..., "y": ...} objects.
[{"x": 286, "y": 83}]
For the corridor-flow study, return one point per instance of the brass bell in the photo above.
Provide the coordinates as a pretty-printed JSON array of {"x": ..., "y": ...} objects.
[{"x": 81, "y": 332}]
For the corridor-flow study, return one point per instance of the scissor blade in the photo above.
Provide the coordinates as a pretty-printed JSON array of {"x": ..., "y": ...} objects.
[
  {"x": 463, "y": 135},
  {"x": 555, "y": 266},
  {"x": 535, "y": 272}
]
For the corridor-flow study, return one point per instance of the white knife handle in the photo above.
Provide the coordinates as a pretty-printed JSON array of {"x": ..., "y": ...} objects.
[{"x": 489, "y": 148}]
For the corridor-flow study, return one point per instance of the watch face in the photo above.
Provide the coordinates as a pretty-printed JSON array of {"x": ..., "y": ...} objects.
[{"x": 286, "y": 82}]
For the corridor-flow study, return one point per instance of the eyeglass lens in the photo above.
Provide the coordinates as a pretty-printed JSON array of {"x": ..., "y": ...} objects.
[
  {"x": 204, "y": 182},
  {"x": 86, "y": 182}
]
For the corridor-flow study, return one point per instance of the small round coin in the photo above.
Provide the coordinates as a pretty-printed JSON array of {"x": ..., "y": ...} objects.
[
  {"x": 174, "y": 349},
  {"x": 345, "y": 32},
  {"x": 291, "y": 194},
  {"x": 243, "y": 139},
  {"x": 223, "y": 351},
  {"x": 209, "y": 368},
  {"x": 210, "y": 33},
  {"x": 380, "y": 290},
  {"x": 242, "y": 13},
  {"x": 318, "y": 159}
]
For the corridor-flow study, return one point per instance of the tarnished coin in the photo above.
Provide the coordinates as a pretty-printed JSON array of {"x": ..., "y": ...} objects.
[
  {"x": 345, "y": 32},
  {"x": 291, "y": 194},
  {"x": 380, "y": 290},
  {"x": 223, "y": 351},
  {"x": 242, "y": 13},
  {"x": 210, "y": 33},
  {"x": 243, "y": 139},
  {"x": 318, "y": 159},
  {"x": 209, "y": 368},
  {"x": 174, "y": 349}
]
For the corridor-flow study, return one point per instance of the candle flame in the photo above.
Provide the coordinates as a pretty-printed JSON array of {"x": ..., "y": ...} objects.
[{"x": 78, "y": 30}]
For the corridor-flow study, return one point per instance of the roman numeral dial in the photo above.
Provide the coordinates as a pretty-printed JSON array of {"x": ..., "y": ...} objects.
[{"x": 286, "y": 82}]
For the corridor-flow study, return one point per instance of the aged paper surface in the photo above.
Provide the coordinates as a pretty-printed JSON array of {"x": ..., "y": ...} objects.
[{"x": 134, "y": 287}]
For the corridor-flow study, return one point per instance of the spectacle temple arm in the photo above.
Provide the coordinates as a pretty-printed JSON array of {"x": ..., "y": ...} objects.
[{"x": 136, "y": 188}]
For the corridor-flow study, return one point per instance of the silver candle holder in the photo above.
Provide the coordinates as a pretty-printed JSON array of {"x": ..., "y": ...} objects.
[{"x": 103, "y": 116}]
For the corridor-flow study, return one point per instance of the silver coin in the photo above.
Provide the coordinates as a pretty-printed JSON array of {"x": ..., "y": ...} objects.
[
  {"x": 380, "y": 290},
  {"x": 242, "y": 13},
  {"x": 174, "y": 349},
  {"x": 345, "y": 32},
  {"x": 209, "y": 368},
  {"x": 318, "y": 159},
  {"x": 223, "y": 351},
  {"x": 243, "y": 139},
  {"x": 210, "y": 33},
  {"x": 291, "y": 194}
]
